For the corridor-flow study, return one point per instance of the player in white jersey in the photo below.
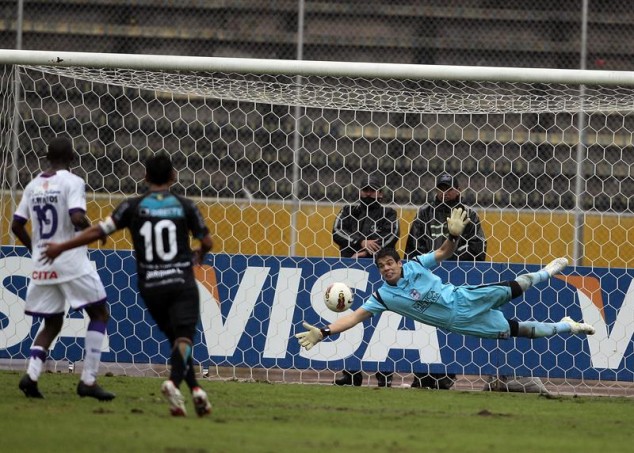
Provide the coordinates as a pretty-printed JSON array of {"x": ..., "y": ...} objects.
[
  {"x": 414, "y": 292},
  {"x": 55, "y": 203}
]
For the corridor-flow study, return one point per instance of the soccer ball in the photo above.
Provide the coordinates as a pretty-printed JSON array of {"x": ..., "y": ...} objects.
[{"x": 338, "y": 297}]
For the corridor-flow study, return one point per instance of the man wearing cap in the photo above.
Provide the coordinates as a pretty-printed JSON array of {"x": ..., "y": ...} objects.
[
  {"x": 428, "y": 230},
  {"x": 427, "y": 233},
  {"x": 360, "y": 230}
]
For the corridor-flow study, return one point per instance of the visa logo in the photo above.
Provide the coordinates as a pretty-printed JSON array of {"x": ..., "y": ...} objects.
[{"x": 607, "y": 346}]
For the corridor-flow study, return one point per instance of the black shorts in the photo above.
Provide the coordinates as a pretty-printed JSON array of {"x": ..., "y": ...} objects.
[{"x": 176, "y": 312}]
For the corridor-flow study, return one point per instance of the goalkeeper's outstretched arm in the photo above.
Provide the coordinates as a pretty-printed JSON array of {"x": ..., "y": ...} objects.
[{"x": 314, "y": 335}]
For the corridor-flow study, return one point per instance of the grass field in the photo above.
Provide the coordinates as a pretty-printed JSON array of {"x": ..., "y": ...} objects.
[{"x": 261, "y": 417}]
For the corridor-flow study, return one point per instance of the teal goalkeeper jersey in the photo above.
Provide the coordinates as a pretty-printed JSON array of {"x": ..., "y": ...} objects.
[{"x": 418, "y": 295}]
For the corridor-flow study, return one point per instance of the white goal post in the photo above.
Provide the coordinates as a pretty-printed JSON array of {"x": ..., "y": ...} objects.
[{"x": 272, "y": 149}]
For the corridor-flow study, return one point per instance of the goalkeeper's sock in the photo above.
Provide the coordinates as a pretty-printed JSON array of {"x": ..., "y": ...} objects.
[
  {"x": 535, "y": 329},
  {"x": 92, "y": 356},
  {"x": 37, "y": 357},
  {"x": 527, "y": 280}
]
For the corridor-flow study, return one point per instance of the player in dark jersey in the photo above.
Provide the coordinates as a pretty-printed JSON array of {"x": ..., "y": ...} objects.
[{"x": 160, "y": 223}]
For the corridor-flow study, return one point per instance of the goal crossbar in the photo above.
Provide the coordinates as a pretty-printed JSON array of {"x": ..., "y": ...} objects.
[{"x": 320, "y": 68}]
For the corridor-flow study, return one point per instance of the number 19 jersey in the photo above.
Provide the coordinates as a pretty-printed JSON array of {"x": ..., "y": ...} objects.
[{"x": 48, "y": 201}]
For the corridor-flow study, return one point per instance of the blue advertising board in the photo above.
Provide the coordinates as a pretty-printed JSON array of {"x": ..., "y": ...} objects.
[{"x": 252, "y": 306}]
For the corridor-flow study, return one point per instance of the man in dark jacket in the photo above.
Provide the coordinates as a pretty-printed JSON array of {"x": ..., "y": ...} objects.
[
  {"x": 361, "y": 230},
  {"x": 428, "y": 231}
]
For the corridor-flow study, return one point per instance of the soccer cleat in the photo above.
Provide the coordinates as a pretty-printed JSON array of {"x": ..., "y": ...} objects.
[
  {"x": 438, "y": 381},
  {"x": 29, "y": 387},
  {"x": 384, "y": 378},
  {"x": 94, "y": 391},
  {"x": 175, "y": 398},
  {"x": 578, "y": 327},
  {"x": 201, "y": 403},
  {"x": 350, "y": 378},
  {"x": 556, "y": 266}
]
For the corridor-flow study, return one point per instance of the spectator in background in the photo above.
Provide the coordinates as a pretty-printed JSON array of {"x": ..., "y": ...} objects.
[
  {"x": 428, "y": 230},
  {"x": 427, "y": 233},
  {"x": 360, "y": 230}
]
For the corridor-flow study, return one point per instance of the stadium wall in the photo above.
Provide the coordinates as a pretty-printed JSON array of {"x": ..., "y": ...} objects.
[{"x": 253, "y": 228}]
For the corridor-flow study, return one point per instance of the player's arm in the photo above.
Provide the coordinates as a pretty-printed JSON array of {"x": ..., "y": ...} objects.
[
  {"x": 18, "y": 227},
  {"x": 456, "y": 224},
  {"x": 341, "y": 233},
  {"x": 206, "y": 244},
  {"x": 100, "y": 231},
  {"x": 314, "y": 335},
  {"x": 79, "y": 220},
  {"x": 199, "y": 230}
]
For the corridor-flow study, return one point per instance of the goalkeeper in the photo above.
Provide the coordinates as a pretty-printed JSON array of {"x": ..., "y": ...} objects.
[{"x": 413, "y": 291}]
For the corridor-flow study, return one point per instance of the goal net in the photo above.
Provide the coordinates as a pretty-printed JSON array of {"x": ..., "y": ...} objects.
[{"x": 272, "y": 150}]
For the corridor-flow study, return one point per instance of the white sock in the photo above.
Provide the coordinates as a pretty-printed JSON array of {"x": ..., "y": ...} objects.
[
  {"x": 36, "y": 362},
  {"x": 527, "y": 280},
  {"x": 92, "y": 355}
]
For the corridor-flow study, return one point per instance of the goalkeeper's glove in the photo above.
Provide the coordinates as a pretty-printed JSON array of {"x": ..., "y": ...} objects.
[
  {"x": 457, "y": 222},
  {"x": 311, "y": 337}
]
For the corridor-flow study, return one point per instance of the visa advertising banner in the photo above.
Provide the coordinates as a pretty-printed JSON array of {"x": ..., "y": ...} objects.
[{"x": 252, "y": 306}]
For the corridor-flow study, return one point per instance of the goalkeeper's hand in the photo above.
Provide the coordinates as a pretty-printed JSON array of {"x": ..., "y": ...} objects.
[
  {"x": 457, "y": 222},
  {"x": 310, "y": 338}
]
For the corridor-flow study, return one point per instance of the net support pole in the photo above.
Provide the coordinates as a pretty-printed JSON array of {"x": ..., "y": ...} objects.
[
  {"x": 578, "y": 249},
  {"x": 13, "y": 176},
  {"x": 296, "y": 135}
]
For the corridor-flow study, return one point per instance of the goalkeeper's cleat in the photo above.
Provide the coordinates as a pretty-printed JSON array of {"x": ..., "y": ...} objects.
[
  {"x": 201, "y": 402},
  {"x": 556, "y": 266},
  {"x": 29, "y": 387},
  {"x": 175, "y": 398},
  {"x": 94, "y": 391},
  {"x": 578, "y": 327}
]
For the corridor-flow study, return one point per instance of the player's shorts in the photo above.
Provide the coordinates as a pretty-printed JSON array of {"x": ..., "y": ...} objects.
[
  {"x": 175, "y": 311},
  {"x": 477, "y": 313},
  {"x": 48, "y": 300}
]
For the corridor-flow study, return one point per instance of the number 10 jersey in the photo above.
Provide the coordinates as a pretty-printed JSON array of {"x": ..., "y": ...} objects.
[{"x": 160, "y": 224}]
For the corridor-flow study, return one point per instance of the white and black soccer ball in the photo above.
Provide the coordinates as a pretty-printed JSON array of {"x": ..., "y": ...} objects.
[{"x": 338, "y": 297}]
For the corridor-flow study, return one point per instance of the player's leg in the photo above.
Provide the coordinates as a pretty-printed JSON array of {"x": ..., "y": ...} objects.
[
  {"x": 47, "y": 302},
  {"x": 525, "y": 281},
  {"x": 535, "y": 329},
  {"x": 184, "y": 315},
  {"x": 350, "y": 377},
  {"x": 182, "y": 368},
  {"x": 87, "y": 293},
  {"x": 176, "y": 315},
  {"x": 158, "y": 305}
]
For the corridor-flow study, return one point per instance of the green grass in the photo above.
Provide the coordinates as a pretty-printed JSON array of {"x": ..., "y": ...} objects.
[{"x": 260, "y": 417}]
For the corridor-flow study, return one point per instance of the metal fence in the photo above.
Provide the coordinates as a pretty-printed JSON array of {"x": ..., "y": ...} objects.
[{"x": 568, "y": 34}]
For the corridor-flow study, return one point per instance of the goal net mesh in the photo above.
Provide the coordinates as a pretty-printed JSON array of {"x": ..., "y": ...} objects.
[{"x": 270, "y": 160}]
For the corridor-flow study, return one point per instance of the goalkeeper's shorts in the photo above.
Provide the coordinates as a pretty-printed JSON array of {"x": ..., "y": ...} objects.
[{"x": 476, "y": 311}]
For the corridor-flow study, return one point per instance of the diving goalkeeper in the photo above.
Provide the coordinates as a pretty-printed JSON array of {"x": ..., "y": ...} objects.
[{"x": 413, "y": 291}]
